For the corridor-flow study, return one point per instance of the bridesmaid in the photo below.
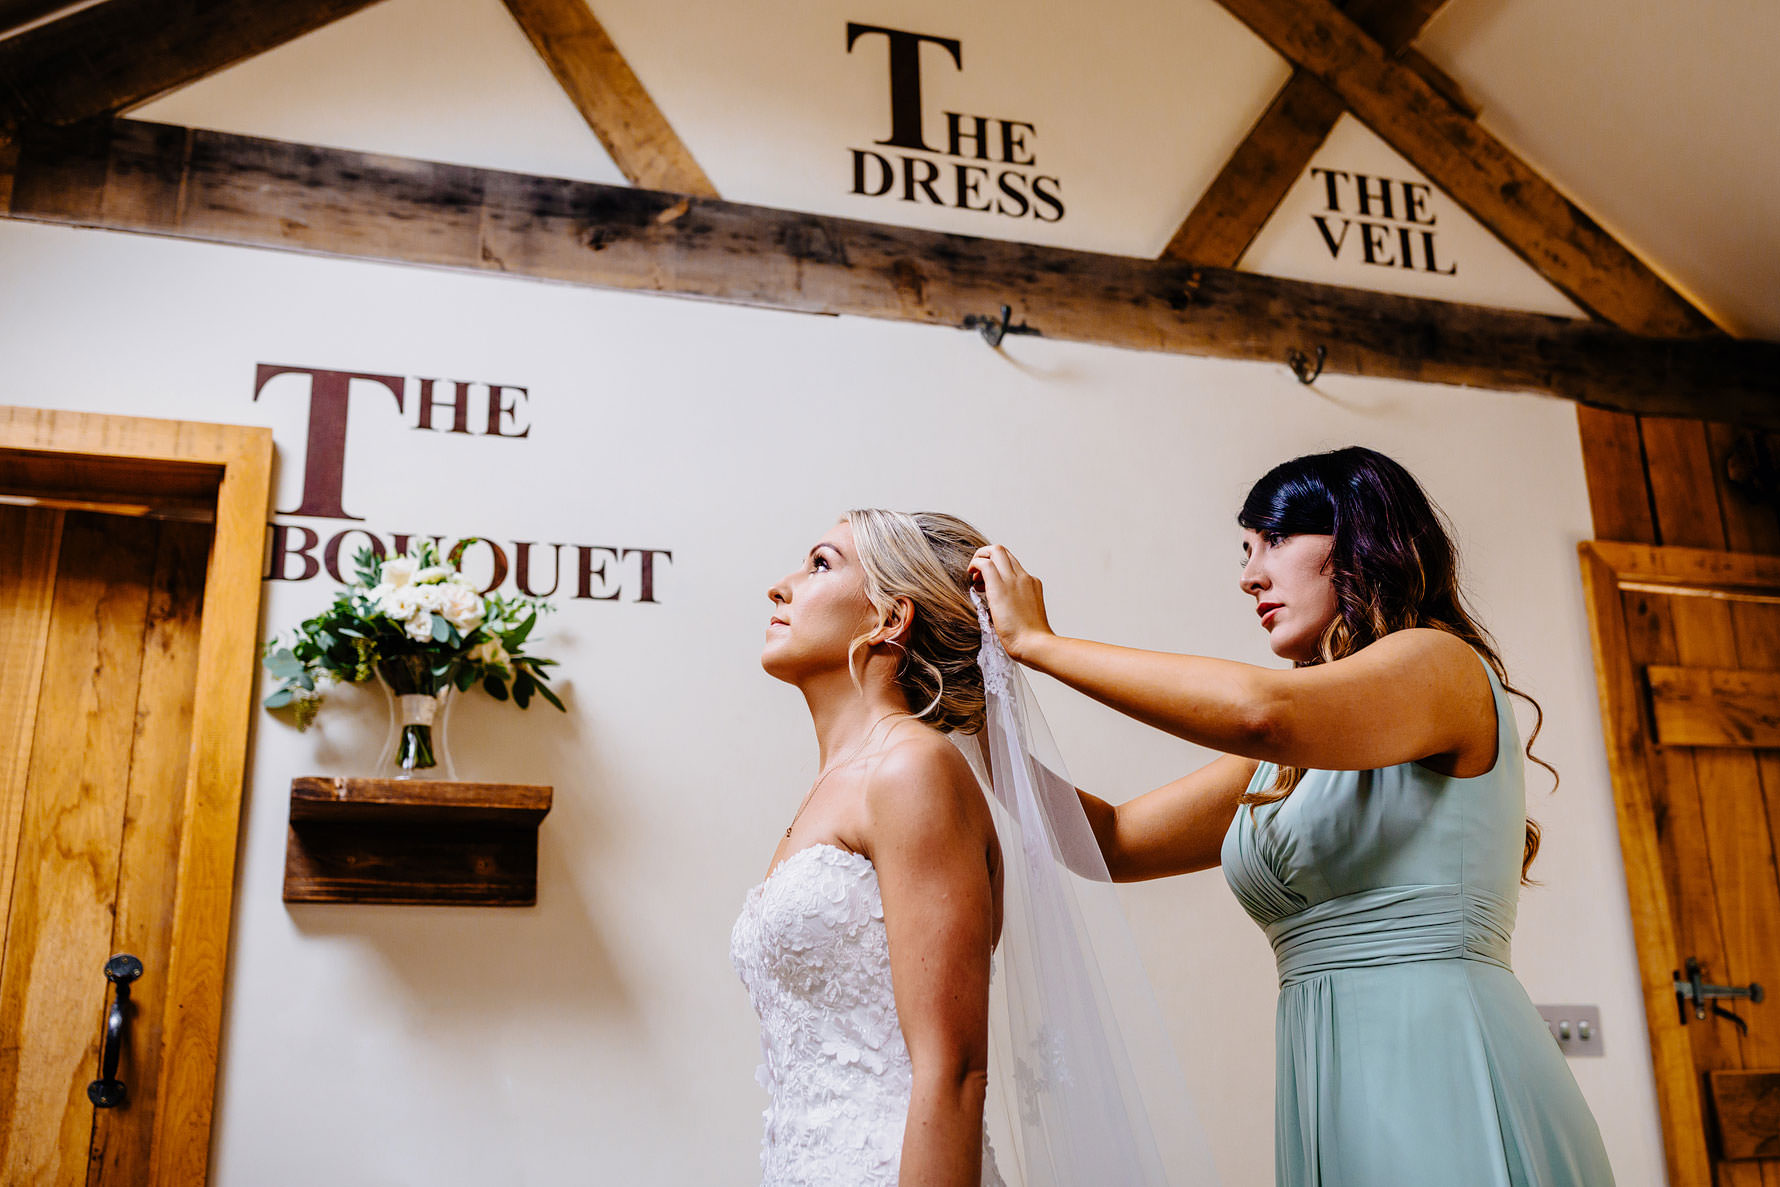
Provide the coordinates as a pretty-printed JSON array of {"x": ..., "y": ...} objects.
[{"x": 1369, "y": 813}]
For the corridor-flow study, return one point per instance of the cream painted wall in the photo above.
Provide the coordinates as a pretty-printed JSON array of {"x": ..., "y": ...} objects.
[{"x": 601, "y": 1036}]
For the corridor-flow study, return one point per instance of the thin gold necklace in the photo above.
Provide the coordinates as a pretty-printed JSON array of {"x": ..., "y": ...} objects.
[{"x": 835, "y": 766}]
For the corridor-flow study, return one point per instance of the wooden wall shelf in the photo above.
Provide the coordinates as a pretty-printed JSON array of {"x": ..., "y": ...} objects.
[{"x": 359, "y": 840}]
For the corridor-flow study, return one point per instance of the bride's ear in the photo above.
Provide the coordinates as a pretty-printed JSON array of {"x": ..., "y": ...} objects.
[{"x": 895, "y": 627}]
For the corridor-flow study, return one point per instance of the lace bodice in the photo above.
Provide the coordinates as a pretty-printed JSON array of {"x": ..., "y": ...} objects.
[{"x": 811, "y": 948}]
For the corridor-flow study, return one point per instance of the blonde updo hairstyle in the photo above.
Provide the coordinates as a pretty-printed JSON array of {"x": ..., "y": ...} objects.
[{"x": 925, "y": 556}]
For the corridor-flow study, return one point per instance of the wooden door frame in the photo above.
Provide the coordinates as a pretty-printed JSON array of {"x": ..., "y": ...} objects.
[
  {"x": 239, "y": 459},
  {"x": 1608, "y": 569}
]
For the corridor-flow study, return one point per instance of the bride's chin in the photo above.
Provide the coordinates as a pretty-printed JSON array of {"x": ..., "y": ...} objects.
[{"x": 778, "y": 666}]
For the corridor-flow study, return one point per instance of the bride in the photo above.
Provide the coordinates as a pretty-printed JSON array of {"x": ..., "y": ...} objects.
[{"x": 867, "y": 949}]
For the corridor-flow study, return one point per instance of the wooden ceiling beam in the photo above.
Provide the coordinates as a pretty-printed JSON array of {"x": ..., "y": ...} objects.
[
  {"x": 14, "y": 13},
  {"x": 1257, "y": 177},
  {"x": 1279, "y": 148},
  {"x": 1472, "y": 167},
  {"x": 9, "y": 159},
  {"x": 609, "y": 96},
  {"x": 214, "y": 187},
  {"x": 110, "y": 57}
]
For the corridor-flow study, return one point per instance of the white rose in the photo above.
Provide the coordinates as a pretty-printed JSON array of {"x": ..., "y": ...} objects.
[
  {"x": 399, "y": 603},
  {"x": 491, "y": 653},
  {"x": 399, "y": 571},
  {"x": 461, "y": 606},
  {"x": 432, "y": 574},
  {"x": 428, "y": 597},
  {"x": 420, "y": 626}
]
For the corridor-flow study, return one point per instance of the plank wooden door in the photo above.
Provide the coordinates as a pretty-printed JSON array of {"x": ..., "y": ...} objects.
[
  {"x": 1687, "y": 650},
  {"x": 129, "y": 558},
  {"x": 105, "y": 617}
]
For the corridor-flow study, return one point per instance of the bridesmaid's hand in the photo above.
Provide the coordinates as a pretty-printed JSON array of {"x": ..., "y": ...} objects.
[{"x": 1016, "y": 599}]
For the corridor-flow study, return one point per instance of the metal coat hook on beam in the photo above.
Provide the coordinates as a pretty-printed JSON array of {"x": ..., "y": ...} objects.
[
  {"x": 994, "y": 329},
  {"x": 1303, "y": 367}
]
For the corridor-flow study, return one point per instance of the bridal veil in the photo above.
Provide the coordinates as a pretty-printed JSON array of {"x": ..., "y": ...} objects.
[{"x": 1084, "y": 1080}]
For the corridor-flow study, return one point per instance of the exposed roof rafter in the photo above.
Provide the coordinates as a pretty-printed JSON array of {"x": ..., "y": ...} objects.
[
  {"x": 14, "y": 13},
  {"x": 9, "y": 159},
  {"x": 1277, "y": 150},
  {"x": 110, "y": 57},
  {"x": 214, "y": 187},
  {"x": 1472, "y": 167},
  {"x": 609, "y": 96}
]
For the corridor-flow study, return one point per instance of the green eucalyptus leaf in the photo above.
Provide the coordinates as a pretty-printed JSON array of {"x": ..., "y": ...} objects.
[
  {"x": 368, "y": 564},
  {"x": 441, "y": 629},
  {"x": 280, "y": 699},
  {"x": 493, "y": 687}
]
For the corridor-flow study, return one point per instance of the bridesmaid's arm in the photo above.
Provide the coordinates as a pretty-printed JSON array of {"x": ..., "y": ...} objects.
[
  {"x": 1175, "y": 829},
  {"x": 929, "y": 836},
  {"x": 1412, "y": 695}
]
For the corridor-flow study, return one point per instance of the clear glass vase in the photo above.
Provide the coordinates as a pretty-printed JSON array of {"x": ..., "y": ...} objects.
[{"x": 419, "y": 708}]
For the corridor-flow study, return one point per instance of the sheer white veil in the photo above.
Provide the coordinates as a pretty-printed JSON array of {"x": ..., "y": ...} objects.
[{"x": 1084, "y": 1083}]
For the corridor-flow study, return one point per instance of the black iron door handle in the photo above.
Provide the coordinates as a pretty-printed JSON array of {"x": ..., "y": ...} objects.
[
  {"x": 108, "y": 1092},
  {"x": 1693, "y": 990}
]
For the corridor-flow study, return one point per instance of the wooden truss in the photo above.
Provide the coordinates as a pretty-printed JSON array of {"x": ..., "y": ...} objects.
[{"x": 66, "y": 157}]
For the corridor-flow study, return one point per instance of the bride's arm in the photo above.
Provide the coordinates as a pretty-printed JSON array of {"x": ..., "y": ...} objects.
[
  {"x": 929, "y": 834},
  {"x": 1175, "y": 829}
]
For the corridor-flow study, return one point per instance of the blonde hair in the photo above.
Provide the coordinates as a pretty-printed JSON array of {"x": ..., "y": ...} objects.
[{"x": 924, "y": 556}]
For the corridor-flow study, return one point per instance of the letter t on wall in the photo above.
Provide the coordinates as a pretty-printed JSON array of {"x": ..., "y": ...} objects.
[
  {"x": 905, "y": 80},
  {"x": 324, "y": 458}
]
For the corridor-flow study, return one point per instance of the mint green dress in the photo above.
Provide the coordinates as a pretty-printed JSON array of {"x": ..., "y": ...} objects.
[{"x": 1408, "y": 1053}]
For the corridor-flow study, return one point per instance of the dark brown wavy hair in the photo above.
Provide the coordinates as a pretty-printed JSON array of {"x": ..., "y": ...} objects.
[{"x": 1392, "y": 564}]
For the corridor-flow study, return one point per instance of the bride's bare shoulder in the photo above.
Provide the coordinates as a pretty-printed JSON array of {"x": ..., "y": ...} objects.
[{"x": 922, "y": 781}]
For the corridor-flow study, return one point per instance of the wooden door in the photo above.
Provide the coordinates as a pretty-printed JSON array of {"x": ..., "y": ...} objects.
[
  {"x": 1687, "y": 649},
  {"x": 103, "y": 612},
  {"x": 129, "y": 594}
]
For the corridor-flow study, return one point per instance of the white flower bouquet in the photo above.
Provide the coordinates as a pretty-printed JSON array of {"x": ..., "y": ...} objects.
[{"x": 413, "y": 621}]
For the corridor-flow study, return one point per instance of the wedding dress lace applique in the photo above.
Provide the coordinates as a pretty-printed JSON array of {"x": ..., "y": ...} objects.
[{"x": 811, "y": 948}]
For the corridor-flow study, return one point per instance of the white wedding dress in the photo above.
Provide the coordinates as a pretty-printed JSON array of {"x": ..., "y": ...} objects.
[{"x": 811, "y": 948}]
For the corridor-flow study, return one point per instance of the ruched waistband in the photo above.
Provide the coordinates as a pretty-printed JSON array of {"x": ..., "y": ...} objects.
[{"x": 1393, "y": 925}]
